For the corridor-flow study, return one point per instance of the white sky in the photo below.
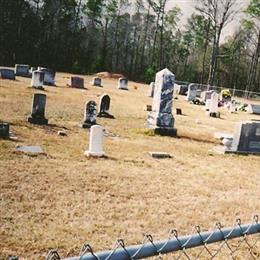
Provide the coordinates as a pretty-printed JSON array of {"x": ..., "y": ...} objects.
[{"x": 187, "y": 8}]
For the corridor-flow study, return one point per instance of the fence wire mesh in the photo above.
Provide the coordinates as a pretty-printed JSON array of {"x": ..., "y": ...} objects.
[{"x": 237, "y": 242}]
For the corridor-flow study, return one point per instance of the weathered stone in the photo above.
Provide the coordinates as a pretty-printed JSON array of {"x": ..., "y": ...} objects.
[
  {"x": 160, "y": 155},
  {"x": 30, "y": 149},
  {"x": 22, "y": 70},
  {"x": 123, "y": 83},
  {"x": 90, "y": 114},
  {"x": 77, "y": 82},
  {"x": 7, "y": 74},
  {"x": 161, "y": 118},
  {"x": 49, "y": 76},
  {"x": 97, "y": 82},
  {"x": 192, "y": 92},
  {"x": 95, "y": 142},
  {"x": 38, "y": 110},
  {"x": 37, "y": 79},
  {"x": 104, "y": 105},
  {"x": 4, "y": 130}
]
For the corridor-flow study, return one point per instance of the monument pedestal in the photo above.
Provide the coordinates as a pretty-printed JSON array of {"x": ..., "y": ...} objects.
[
  {"x": 37, "y": 121},
  {"x": 166, "y": 131}
]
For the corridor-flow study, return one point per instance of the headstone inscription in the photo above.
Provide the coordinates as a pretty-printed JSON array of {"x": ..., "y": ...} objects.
[
  {"x": 104, "y": 105},
  {"x": 95, "y": 142},
  {"x": 7, "y": 74},
  {"x": 123, "y": 83},
  {"x": 161, "y": 118},
  {"x": 90, "y": 114},
  {"x": 38, "y": 110}
]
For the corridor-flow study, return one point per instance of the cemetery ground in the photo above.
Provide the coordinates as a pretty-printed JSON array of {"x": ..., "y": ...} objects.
[{"x": 61, "y": 199}]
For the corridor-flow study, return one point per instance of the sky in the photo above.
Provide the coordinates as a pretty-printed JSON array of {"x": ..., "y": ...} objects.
[{"x": 188, "y": 7}]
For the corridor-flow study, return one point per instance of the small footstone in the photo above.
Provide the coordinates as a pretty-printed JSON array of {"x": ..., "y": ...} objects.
[
  {"x": 4, "y": 130},
  {"x": 160, "y": 155}
]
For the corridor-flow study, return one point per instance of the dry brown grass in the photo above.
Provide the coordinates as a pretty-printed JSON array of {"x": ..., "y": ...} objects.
[{"x": 62, "y": 199}]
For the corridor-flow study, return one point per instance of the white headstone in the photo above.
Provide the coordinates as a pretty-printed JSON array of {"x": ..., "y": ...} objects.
[
  {"x": 192, "y": 92},
  {"x": 95, "y": 142},
  {"x": 37, "y": 79},
  {"x": 232, "y": 106},
  {"x": 213, "y": 107},
  {"x": 207, "y": 105}
]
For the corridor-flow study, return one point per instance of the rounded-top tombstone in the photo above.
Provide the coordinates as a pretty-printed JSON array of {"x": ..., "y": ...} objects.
[
  {"x": 95, "y": 142},
  {"x": 104, "y": 105},
  {"x": 90, "y": 114}
]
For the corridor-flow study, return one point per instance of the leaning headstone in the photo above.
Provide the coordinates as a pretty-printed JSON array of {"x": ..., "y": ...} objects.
[
  {"x": 22, "y": 70},
  {"x": 104, "y": 105},
  {"x": 161, "y": 118},
  {"x": 49, "y": 76},
  {"x": 95, "y": 142},
  {"x": 7, "y": 74},
  {"x": 192, "y": 92},
  {"x": 123, "y": 83},
  {"x": 37, "y": 79},
  {"x": 96, "y": 81},
  {"x": 4, "y": 130},
  {"x": 213, "y": 106},
  {"x": 151, "y": 89},
  {"x": 38, "y": 110},
  {"x": 90, "y": 114},
  {"x": 253, "y": 109},
  {"x": 246, "y": 138},
  {"x": 76, "y": 82}
]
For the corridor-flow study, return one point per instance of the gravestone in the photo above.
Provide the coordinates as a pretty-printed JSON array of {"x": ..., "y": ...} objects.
[
  {"x": 76, "y": 82},
  {"x": 7, "y": 74},
  {"x": 4, "y": 130},
  {"x": 232, "y": 106},
  {"x": 253, "y": 109},
  {"x": 205, "y": 95},
  {"x": 246, "y": 138},
  {"x": 151, "y": 89},
  {"x": 161, "y": 118},
  {"x": 49, "y": 76},
  {"x": 104, "y": 105},
  {"x": 207, "y": 104},
  {"x": 95, "y": 142},
  {"x": 213, "y": 106},
  {"x": 22, "y": 70},
  {"x": 123, "y": 83},
  {"x": 38, "y": 110},
  {"x": 192, "y": 92},
  {"x": 96, "y": 81},
  {"x": 37, "y": 79},
  {"x": 90, "y": 114}
]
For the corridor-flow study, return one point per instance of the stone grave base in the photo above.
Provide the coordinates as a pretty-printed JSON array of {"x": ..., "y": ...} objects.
[
  {"x": 223, "y": 150},
  {"x": 165, "y": 131},
  {"x": 105, "y": 114},
  {"x": 215, "y": 115},
  {"x": 87, "y": 125},
  {"x": 92, "y": 154},
  {"x": 38, "y": 121}
]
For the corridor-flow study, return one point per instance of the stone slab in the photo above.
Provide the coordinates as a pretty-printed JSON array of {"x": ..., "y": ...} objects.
[
  {"x": 160, "y": 155},
  {"x": 30, "y": 149}
]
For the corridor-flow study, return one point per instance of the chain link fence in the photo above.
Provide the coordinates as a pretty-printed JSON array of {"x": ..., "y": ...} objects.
[
  {"x": 236, "y": 93},
  {"x": 237, "y": 242}
]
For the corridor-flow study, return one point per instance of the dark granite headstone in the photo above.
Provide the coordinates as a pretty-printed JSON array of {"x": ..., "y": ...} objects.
[
  {"x": 123, "y": 83},
  {"x": 77, "y": 82},
  {"x": 7, "y": 74},
  {"x": 49, "y": 76},
  {"x": 104, "y": 105},
  {"x": 38, "y": 110},
  {"x": 4, "y": 130},
  {"x": 90, "y": 114},
  {"x": 22, "y": 70},
  {"x": 161, "y": 118},
  {"x": 97, "y": 82}
]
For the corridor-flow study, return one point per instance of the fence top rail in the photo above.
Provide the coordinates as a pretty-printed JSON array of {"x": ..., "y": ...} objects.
[{"x": 174, "y": 243}]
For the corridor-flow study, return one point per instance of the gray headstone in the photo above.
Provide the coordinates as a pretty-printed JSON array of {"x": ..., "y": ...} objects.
[
  {"x": 246, "y": 138},
  {"x": 49, "y": 76},
  {"x": 76, "y": 82},
  {"x": 253, "y": 109},
  {"x": 30, "y": 149},
  {"x": 7, "y": 74},
  {"x": 161, "y": 118},
  {"x": 97, "y": 82},
  {"x": 123, "y": 83},
  {"x": 38, "y": 110},
  {"x": 22, "y": 70},
  {"x": 104, "y": 105},
  {"x": 192, "y": 92},
  {"x": 90, "y": 114},
  {"x": 4, "y": 130}
]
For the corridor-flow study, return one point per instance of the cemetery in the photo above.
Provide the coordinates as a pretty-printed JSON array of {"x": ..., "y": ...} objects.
[{"x": 72, "y": 175}]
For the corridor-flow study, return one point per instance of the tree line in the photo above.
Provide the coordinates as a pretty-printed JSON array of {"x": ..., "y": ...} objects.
[{"x": 136, "y": 38}]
